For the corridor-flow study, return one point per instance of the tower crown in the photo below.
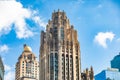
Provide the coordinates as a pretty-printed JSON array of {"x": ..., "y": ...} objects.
[
  {"x": 59, "y": 18},
  {"x": 27, "y": 48},
  {"x": 59, "y": 14}
]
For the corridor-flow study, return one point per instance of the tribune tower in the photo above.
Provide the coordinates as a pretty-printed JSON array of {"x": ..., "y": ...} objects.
[{"x": 59, "y": 50}]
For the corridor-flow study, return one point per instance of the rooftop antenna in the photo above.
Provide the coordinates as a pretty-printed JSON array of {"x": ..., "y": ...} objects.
[{"x": 54, "y": 11}]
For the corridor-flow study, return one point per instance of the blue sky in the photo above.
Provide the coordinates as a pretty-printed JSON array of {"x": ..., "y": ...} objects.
[{"x": 97, "y": 23}]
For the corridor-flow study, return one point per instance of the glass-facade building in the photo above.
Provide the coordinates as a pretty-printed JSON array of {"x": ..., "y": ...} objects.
[
  {"x": 109, "y": 74},
  {"x": 115, "y": 63},
  {"x": 1, "y": 70}
]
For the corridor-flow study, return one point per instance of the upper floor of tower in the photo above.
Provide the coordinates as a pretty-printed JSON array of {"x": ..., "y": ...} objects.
[
  {"x": 59, "y": 19},
  {"x": 58, "y": 32},
  {"x": 27, "y": 53},
  {"x": 58, "y": 29}
]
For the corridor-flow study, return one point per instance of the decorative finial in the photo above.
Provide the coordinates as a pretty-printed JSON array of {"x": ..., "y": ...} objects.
[
  {"x": 86, "y": 69},
  {"x": 72, "y": 26},
  {"x": 58, "y": 10},
  {"x": 91, "y": 68},
  {"x": 54, "y": 11},
  {"x": 49, "y": 21},
  {"x": 25, "y": 45}
]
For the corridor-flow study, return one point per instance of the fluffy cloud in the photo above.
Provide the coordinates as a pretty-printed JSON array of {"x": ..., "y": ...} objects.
[
  {"x": 7, "y": 67},
  {"x": 101, "y": 38},
  {"x": 13, "y": 13},
  {"x": 9, "y": 73},
  {"x": 4, "y": 48},
  {"x": 39, "y": 21},
  {"x": 118, "y": 39}
]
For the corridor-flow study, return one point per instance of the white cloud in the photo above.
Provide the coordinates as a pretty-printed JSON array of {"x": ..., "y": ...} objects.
[
  {"x": 118, "y": 39},
  {"x": 101, "y": 38},
  {"x": 100, "y": 6},
  {"x": 77, "y": 3},
  {"x": 7, "y": 67},
  {"x": 9, "y": 73},
  {"x": 4, "y": 48},
  {"x": 13, "y": 12},
  {"x": 39, "y": 21},
  {"x": 80, "y": 1}
]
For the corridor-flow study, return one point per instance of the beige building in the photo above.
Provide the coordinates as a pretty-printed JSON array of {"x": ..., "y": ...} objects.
[
  {"x": 27, "y": 67},
  {"x": 60, "y": 50}
]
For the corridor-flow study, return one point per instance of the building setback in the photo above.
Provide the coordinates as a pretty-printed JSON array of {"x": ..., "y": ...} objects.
[
  {"x": 59, "y": 50},
  {"x": 1, "y": 70},
  {"x": 27, "y": 67}
]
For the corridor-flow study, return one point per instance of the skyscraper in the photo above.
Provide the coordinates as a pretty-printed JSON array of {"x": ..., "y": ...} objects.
[
  {"x": 27, "y": 67},
  {"x": 115, "y": 63},
  {"x": 112, "y": 73},
  {"x": 59, "y": 50},
  {"x": 108, "y": 74},
  {"x": 1, "y": 69}
]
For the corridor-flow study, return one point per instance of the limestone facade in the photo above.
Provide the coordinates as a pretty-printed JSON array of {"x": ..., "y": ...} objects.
[
  {"x": 27, "y": 67},
  {"x": 59, "y": 50}
]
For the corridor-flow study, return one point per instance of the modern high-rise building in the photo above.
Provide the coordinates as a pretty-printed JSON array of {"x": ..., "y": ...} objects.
[
  {"x": 109, "y": 74},
  {"x": 112, "y": 73},
  {"x": 115, "y": 63},
  {"x": 1, "y": 70},
  {"x": 27, "y": 67},
  {"x": 60, "y": 50}
]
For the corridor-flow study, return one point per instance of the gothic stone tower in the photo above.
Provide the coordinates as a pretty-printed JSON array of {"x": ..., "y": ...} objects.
[{"x": 59, "y": 50}]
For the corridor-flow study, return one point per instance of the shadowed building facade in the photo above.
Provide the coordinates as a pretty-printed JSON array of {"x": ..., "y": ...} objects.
[
  {"x": 1, "y": 69},
  {"x": 59, "y": 50},
  {"x": 27, "y": 67},
  {"x": 87, "y": 74}
]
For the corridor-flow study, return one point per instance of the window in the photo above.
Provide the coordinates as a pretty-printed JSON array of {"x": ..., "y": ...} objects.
[
  {"x": 63, "y": 67},
  {"x": 51, "y": 66},
  {"x": 56, "y": 66},
  {"x": 62, "y": 33}
]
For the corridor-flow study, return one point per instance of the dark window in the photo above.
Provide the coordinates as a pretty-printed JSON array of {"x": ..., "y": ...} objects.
[{"x": 62, "y": 33}]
